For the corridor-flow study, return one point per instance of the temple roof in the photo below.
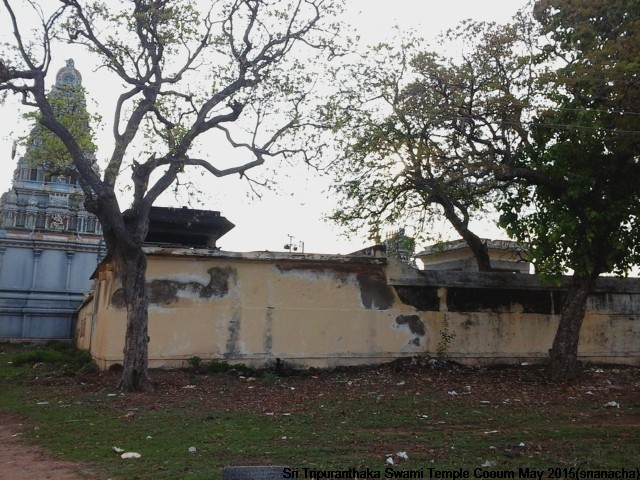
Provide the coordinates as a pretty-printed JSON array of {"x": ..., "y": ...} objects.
[
  {"x": 186, "y": 227},
  {"x": 68, "y": 75}
]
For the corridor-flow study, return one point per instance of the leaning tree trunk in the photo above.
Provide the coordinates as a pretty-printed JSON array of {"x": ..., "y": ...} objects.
[
  {"x": 135, "y": 376},
  {"x": 475, "y": 243},
  {"x": 564, "y": 365},
  {"x": 479, "y": 249}
]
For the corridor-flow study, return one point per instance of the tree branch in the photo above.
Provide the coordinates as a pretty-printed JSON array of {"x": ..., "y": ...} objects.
[
  {"x": 228, "y": 171},
  {"x": 530, "y": 176}
]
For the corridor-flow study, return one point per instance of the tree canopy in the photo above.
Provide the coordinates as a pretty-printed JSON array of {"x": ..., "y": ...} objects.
[
  {"x": 586, "y": 144},
  {"x": 425, "y": 132},
  {"x": 582, "y": 211},
  {"x": 45, "y": 149},
  {"x": 238, "y": 70},
  {"x": 542, "y": 111}
]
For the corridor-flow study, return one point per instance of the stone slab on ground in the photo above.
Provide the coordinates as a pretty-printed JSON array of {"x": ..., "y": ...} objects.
[{"x": 253, "y": 472}]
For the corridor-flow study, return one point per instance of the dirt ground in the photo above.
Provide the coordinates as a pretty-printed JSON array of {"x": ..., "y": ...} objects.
[
  {"x": 226, "y": 391},
  {"x": 26, "y": 462}
]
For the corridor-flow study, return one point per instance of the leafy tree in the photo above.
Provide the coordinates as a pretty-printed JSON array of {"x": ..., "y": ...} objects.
[
  {"x": 578, "y": 203},
  {"x": 68, "y": 104},
  {"x": 422, "y": 133},
  {"x": 546, "y": 111},
  {"x": 233, "y": 71}
]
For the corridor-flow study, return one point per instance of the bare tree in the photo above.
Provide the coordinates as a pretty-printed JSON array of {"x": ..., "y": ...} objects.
[{"x": 234, "y": 69}]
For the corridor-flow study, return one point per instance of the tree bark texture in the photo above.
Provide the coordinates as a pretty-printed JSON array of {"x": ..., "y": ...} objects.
[
  {"x": 564, "y": 365},
  {"x": 135, "y": 377},
  {"x": 475, "y": 243},
  {"x": 479, "y": 249}
]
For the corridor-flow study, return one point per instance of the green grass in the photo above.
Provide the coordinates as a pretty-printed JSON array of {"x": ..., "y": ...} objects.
[
  {"x": 59, "y": 356},
  {"x": 333, "y": 431}
]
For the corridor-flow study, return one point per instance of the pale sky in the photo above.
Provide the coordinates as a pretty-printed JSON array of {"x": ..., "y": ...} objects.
[{"x": 302, "y": 201}]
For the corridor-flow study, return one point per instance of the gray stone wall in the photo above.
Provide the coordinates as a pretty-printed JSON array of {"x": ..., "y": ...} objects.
[{"x": 41, "y": 287}]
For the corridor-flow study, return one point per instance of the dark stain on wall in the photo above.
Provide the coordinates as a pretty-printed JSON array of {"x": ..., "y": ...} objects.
[
  {"x": 234, "y": 334},
  {"x": 503, "y": 300},
  {"x": 468, "y": 323},
  {"x": 233, "y": 348},
  {"x": 615, "y": 303},
  {"x": 415, "y": 324},
  {"x": 218, "y": 282},
  {"x": 374, "y": 291},
  {"x": 340, "y": 271},
  {"x": 165, "y": 292},
  {"x": 268, "y": 335},
  {"x": 425, "y": 299},
  {"x": 117, "y": 299}
]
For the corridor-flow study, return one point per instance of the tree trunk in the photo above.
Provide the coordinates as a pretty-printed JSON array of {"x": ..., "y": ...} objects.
[
  {"x": 475, "y": 243},
  {"x": 479, "y": 249},
  {"x": 135, "y": 376},
  {"x": 565, "y": 365}
]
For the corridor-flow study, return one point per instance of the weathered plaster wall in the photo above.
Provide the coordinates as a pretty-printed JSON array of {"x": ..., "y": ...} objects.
[
  {"x": 501, "y": 317},
  {"x": 312, "y": 310}
]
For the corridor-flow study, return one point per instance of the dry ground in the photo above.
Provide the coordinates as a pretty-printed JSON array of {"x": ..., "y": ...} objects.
[{"x": 26, "y": 462}]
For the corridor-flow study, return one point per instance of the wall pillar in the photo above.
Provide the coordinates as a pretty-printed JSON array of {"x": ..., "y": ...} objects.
[
  {"x": 68, "y": 279},
  {"x": 36, "y": 261},
  {"x": 2, "y": 250}
]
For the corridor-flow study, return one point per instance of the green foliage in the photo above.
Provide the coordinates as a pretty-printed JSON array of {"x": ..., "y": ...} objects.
[
  {"x": 446, "y": 338},
  {"x": 195, "y": 362},
  {"x": 416, "y": 130},
  {"x": 587, "y": 217},
  {"x": 216, "y": 366},
  {"x": 58, "y": 356},
  {"x": 269, "y": 377},
  {"x": 44, "y": 148}
]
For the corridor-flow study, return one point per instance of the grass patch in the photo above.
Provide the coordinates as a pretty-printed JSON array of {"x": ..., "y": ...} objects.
[
  {"x": 60, "y": 357},
  {"x": 329, "y": 420},
  {"x": 199, "y": 365}
]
